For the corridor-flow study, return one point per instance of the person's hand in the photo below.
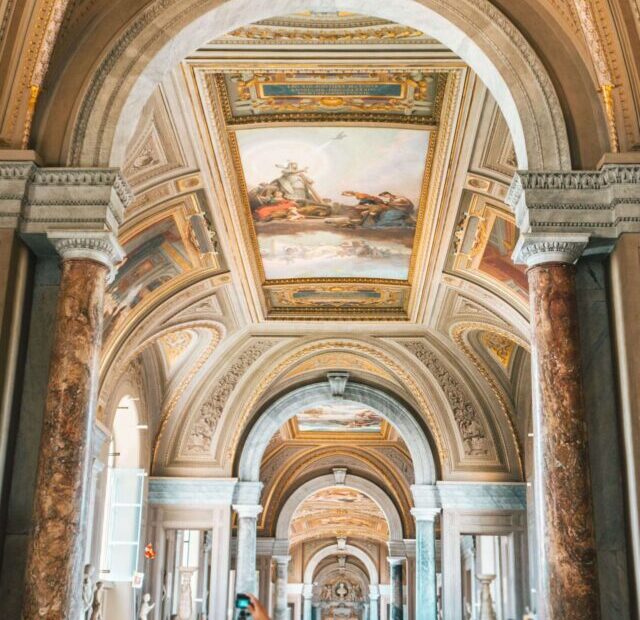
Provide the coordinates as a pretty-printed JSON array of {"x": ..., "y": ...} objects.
[{"x": 258, "y": 612}]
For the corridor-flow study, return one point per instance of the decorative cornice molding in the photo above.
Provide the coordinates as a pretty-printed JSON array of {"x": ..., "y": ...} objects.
[
  {"x": 603, "y": 203},
  {"x": 99, "y": 246},
  {"x": 535, "y": 249},
  {"x": 191, "y": 491},
  {"x": 84, "y": 176},
  {"x": 472, "y": 429},
  {"x": 482, "y": 496}
]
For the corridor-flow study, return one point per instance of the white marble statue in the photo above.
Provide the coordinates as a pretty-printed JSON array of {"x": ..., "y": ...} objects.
[
  {"x": 96, "y": 605},
  {"x": 87, "y": 589},
  {"x": 146, "y": 607}
]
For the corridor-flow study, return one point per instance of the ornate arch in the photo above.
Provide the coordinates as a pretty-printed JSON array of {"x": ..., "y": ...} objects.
[
  {"x": 373, "y": 491},
  {"x": 165, "y": 32},
  {"x": 318, "y": 394},
  {"x": 334, "y": 549}
]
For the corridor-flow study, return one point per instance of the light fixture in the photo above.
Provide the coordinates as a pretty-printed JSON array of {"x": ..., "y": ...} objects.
[{"x": 142, "y": 427}]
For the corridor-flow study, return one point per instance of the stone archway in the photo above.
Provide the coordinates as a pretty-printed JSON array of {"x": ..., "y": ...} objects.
[
  {"x": 336, "y": 549},
  {"x": 474, "y": 29},
  {"x": 370, "y": 489},
  {"x": 318, "y": 394}
]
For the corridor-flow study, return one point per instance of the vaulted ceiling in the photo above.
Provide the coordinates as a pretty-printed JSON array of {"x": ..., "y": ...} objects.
[{"x": 316, "y": 192}]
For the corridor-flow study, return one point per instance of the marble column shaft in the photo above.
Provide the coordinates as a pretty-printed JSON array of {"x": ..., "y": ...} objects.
[
  {"x": 282, "y": 575},
  {"x": 374, "y": 598},
  {"x": 246, "y": 554},
  {"x": 54, "y": 570},
  {"x": 395, "y": 568},
  {"x": 426, "y": 592},
  {"x": 307, "y": 606},
  {"x": 569, "y": 587}
]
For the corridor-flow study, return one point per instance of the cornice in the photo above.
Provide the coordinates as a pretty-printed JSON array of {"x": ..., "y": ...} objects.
[{"x": 602, "y": 203}]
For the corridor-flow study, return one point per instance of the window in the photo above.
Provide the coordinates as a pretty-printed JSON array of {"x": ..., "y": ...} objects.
[{"x": 124, "y": 515}]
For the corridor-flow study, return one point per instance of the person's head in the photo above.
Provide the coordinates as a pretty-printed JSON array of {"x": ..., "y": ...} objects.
[{"x": 387, "y": 195}]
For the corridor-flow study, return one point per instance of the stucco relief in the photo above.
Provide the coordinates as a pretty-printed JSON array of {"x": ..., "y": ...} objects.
[
  {"x": 202, "y": 432},
  {"x": 472, "y": 430}
]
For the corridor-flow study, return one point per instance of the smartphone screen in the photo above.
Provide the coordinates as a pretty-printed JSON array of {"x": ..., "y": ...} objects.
[{"x": 242, "y": 601}]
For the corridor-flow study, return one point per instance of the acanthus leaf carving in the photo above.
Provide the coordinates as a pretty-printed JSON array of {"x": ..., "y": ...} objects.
[
  {"x": 471, "y": 427},
  {"x": 203, "y": 430}
]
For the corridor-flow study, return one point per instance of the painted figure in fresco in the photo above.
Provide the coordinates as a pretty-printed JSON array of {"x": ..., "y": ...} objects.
[
  {"x": 399, "y": 211},
  {"x": 296, "y": 185},
  {"x": 277, "y": 208}
]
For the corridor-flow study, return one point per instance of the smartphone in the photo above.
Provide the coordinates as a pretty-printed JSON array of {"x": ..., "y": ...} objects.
[{"x": 242, "y": 605}]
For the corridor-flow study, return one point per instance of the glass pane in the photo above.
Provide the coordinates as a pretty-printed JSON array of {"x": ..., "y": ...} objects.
[
  {"x": 125, "y": 524},
  {"x": 127, "y": 486},
  {"x": 122, "y": 563}
]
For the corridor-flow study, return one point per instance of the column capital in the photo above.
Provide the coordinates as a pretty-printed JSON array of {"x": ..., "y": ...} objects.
[
  {"x": 538, "y": 248},
  {"x": 282, "y": 559},
  {"x": 374, "y": 592},
  {"x": 425, "y": 514},
  {"x": 395, "y": 559},
  {"x": 307, "y": 591},
  {"x": 102, "y": 247},
  {"x": 249, "y": 511}
]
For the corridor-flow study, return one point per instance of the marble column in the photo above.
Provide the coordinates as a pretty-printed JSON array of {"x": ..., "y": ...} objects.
[
  {"x": 374, "y": 599},
  {"x": 282, "y": 575},
  {"x": 564, "y": 511},
  {"x": 246, "y": 554},
  {"x": 54, "y": 569},
  {"x": 307, "y": 601},
  {"x": 395, "y": 570},
  {"x": 426, "y": 591},
  {"x": 220, "y": 560}
]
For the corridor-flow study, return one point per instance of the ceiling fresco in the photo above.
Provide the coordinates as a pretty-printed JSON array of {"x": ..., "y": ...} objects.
[
  {"x": 284, "y": 94},
  {"x": 484, "y": 241},
  {"x": 333, "y": 165},
  {"x": 158, "y": 251},
  {"x": 338, "y": 511},
  {"x": 339, "y": 418},
  {"x": 332, "y": 202}
]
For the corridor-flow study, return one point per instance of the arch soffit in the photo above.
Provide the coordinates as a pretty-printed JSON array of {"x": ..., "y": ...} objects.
[
  {"x": 328, "y": 571},
  {"x": 314, "y": 395},
  {"x": 382, "y": 472},
  {"x": 326, "y": 552},
  {"x": 371, "y": 490},
  {"x": 474, "y": 29},
  {"x": 255, "y": 384}
]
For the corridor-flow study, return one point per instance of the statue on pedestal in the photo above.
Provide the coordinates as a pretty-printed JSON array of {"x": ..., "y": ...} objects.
[
  {"x": 87, "y": 589},
  {"x": 146, "y": 607},
  {"x": 96, "y": 605}
]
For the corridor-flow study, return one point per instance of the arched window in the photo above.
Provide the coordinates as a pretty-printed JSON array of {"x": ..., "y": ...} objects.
[{"x": 124, "y": 497}]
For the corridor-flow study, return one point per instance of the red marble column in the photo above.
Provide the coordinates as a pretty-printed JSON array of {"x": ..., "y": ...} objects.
[
  {"x": 54, "y": 569},
  {"x": 569, "y": 588}
]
